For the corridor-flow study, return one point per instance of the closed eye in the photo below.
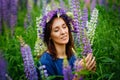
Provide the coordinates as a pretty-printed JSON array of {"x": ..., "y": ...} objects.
[
  {"x": 56, "y": 29},
  {"x": 64, "y": 26}
]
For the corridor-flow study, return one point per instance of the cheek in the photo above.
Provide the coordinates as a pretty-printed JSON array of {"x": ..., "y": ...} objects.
[{"x": 55, "y": 36}]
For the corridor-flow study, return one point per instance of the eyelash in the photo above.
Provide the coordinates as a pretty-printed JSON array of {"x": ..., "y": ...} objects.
[
  {"x": 58, "y": 29},
  {"x": 64, "y": 26}
]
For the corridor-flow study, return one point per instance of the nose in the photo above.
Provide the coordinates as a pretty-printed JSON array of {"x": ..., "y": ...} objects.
[{"x": 62, "y": 31}]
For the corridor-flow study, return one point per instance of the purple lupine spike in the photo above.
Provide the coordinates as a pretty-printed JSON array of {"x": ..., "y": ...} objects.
[
  {"x": 84, "y": 18},
  {"x": 67, "y": 71},
  {"x": 30, "y": 70},
  {"x": 43, "y": 72},
  {"x": 29, "y": 67},
  {"x": 13, "y": 14},
  {"x": 93, "y": 4},
  {"x": 27, "y": 20},
  {"x": 0, "y": 16},
  {"x": 102, "y": 2},
  {"x": 76, "y": 23},
  {"x": 76, "y": 15},
  {"x": 3, "y": 68},
  {"x": 77, "y": 68},
  {"x": 86, "y": 45},
  {"x": 5, "y": 10}
]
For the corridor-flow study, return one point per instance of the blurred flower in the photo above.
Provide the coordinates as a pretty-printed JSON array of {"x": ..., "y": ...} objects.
[
  {"x": 91, "y": 25},
  {"x": 13, "y": 12},
  {"x": 44, "y": 4},
  {"x": 43, "y": 72},
  {"x": 87, "y": 2},
  {"x": 8, "y": 77},
  {"x": 67, "y": 71},
  {"x": 102, "y": 2},
  {"x": 54, "y": 5},
  {"x": 29, "y": 67},
  {"x": 62, "y": 4},
  {"x": 0, "y": 16},
  {"x": 3, "y": 68},
  {"x": 5, "y": 10},
  {"x": 39, "y": 45},
  {"x": 93, "y": 4}
]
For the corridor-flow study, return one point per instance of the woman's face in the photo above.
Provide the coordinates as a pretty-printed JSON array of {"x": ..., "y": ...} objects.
[{"x": 59, "y": 32}]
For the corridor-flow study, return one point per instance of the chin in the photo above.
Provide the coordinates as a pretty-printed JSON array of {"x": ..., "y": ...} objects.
[{"x": 64, "y": 42}]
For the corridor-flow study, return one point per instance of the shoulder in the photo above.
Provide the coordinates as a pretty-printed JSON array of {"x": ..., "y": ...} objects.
[
  {"x": 46, "y": 58},
  {"x": 72, "y": 58}
]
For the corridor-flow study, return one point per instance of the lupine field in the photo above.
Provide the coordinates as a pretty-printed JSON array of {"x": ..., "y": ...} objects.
[{"x": 19, "y": 36}]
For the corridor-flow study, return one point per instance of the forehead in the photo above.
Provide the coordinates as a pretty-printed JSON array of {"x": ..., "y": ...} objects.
[{"x": 58, "y": 22}]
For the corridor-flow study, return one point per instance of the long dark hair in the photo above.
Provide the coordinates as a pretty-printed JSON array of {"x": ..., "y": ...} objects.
[{"x": 49, "y": 43}]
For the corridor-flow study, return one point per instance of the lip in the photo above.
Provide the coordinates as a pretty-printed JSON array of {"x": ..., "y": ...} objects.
[{"x": 64, "y": 37}]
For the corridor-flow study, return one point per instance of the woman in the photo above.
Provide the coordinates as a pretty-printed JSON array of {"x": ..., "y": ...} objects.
[{"x": 59, "y": 42}]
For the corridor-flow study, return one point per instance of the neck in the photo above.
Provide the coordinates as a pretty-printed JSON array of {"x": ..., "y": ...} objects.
[{"x": 61, "y": 50}]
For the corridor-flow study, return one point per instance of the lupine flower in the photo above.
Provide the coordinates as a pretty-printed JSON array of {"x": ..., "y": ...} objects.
[
  {"x": 76, "y": 21},
  {"x": 93, "y": 4},
  {"x": 54, "y": 5},
  {"x": 44, "y": 4},
  {"x": 62, "y": 4},
  {"x": 91, "y": 26},
  {"x": 3, "y": 68},
  {"x": 0, "y": 16},
  {"x": 102, "y": 2},
  {"x": 5, "y": 10},
  {"x": 78, "y": 69},
  {"x": 67, "y": 71},
  {"x": 8, "y": 77},
  {"x": 27, "y": 19},
  {"x": 84, "y": 18},
  {"x": 29, "y": 67},
  {"x": 13, "y": 12},
  {"x": 87, "y": 2},
  {"x": 43, "y": 72},
  {"x": 70, "y": 5},
  {"x": 86, "y": 46},
  {"x": 39, "y": 45}
]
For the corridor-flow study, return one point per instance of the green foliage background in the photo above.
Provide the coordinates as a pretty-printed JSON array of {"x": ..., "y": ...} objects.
[{"x": 106, "y": 46}]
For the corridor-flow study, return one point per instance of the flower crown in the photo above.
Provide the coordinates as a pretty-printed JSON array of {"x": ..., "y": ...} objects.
[{"x": 47, "y": 17}]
